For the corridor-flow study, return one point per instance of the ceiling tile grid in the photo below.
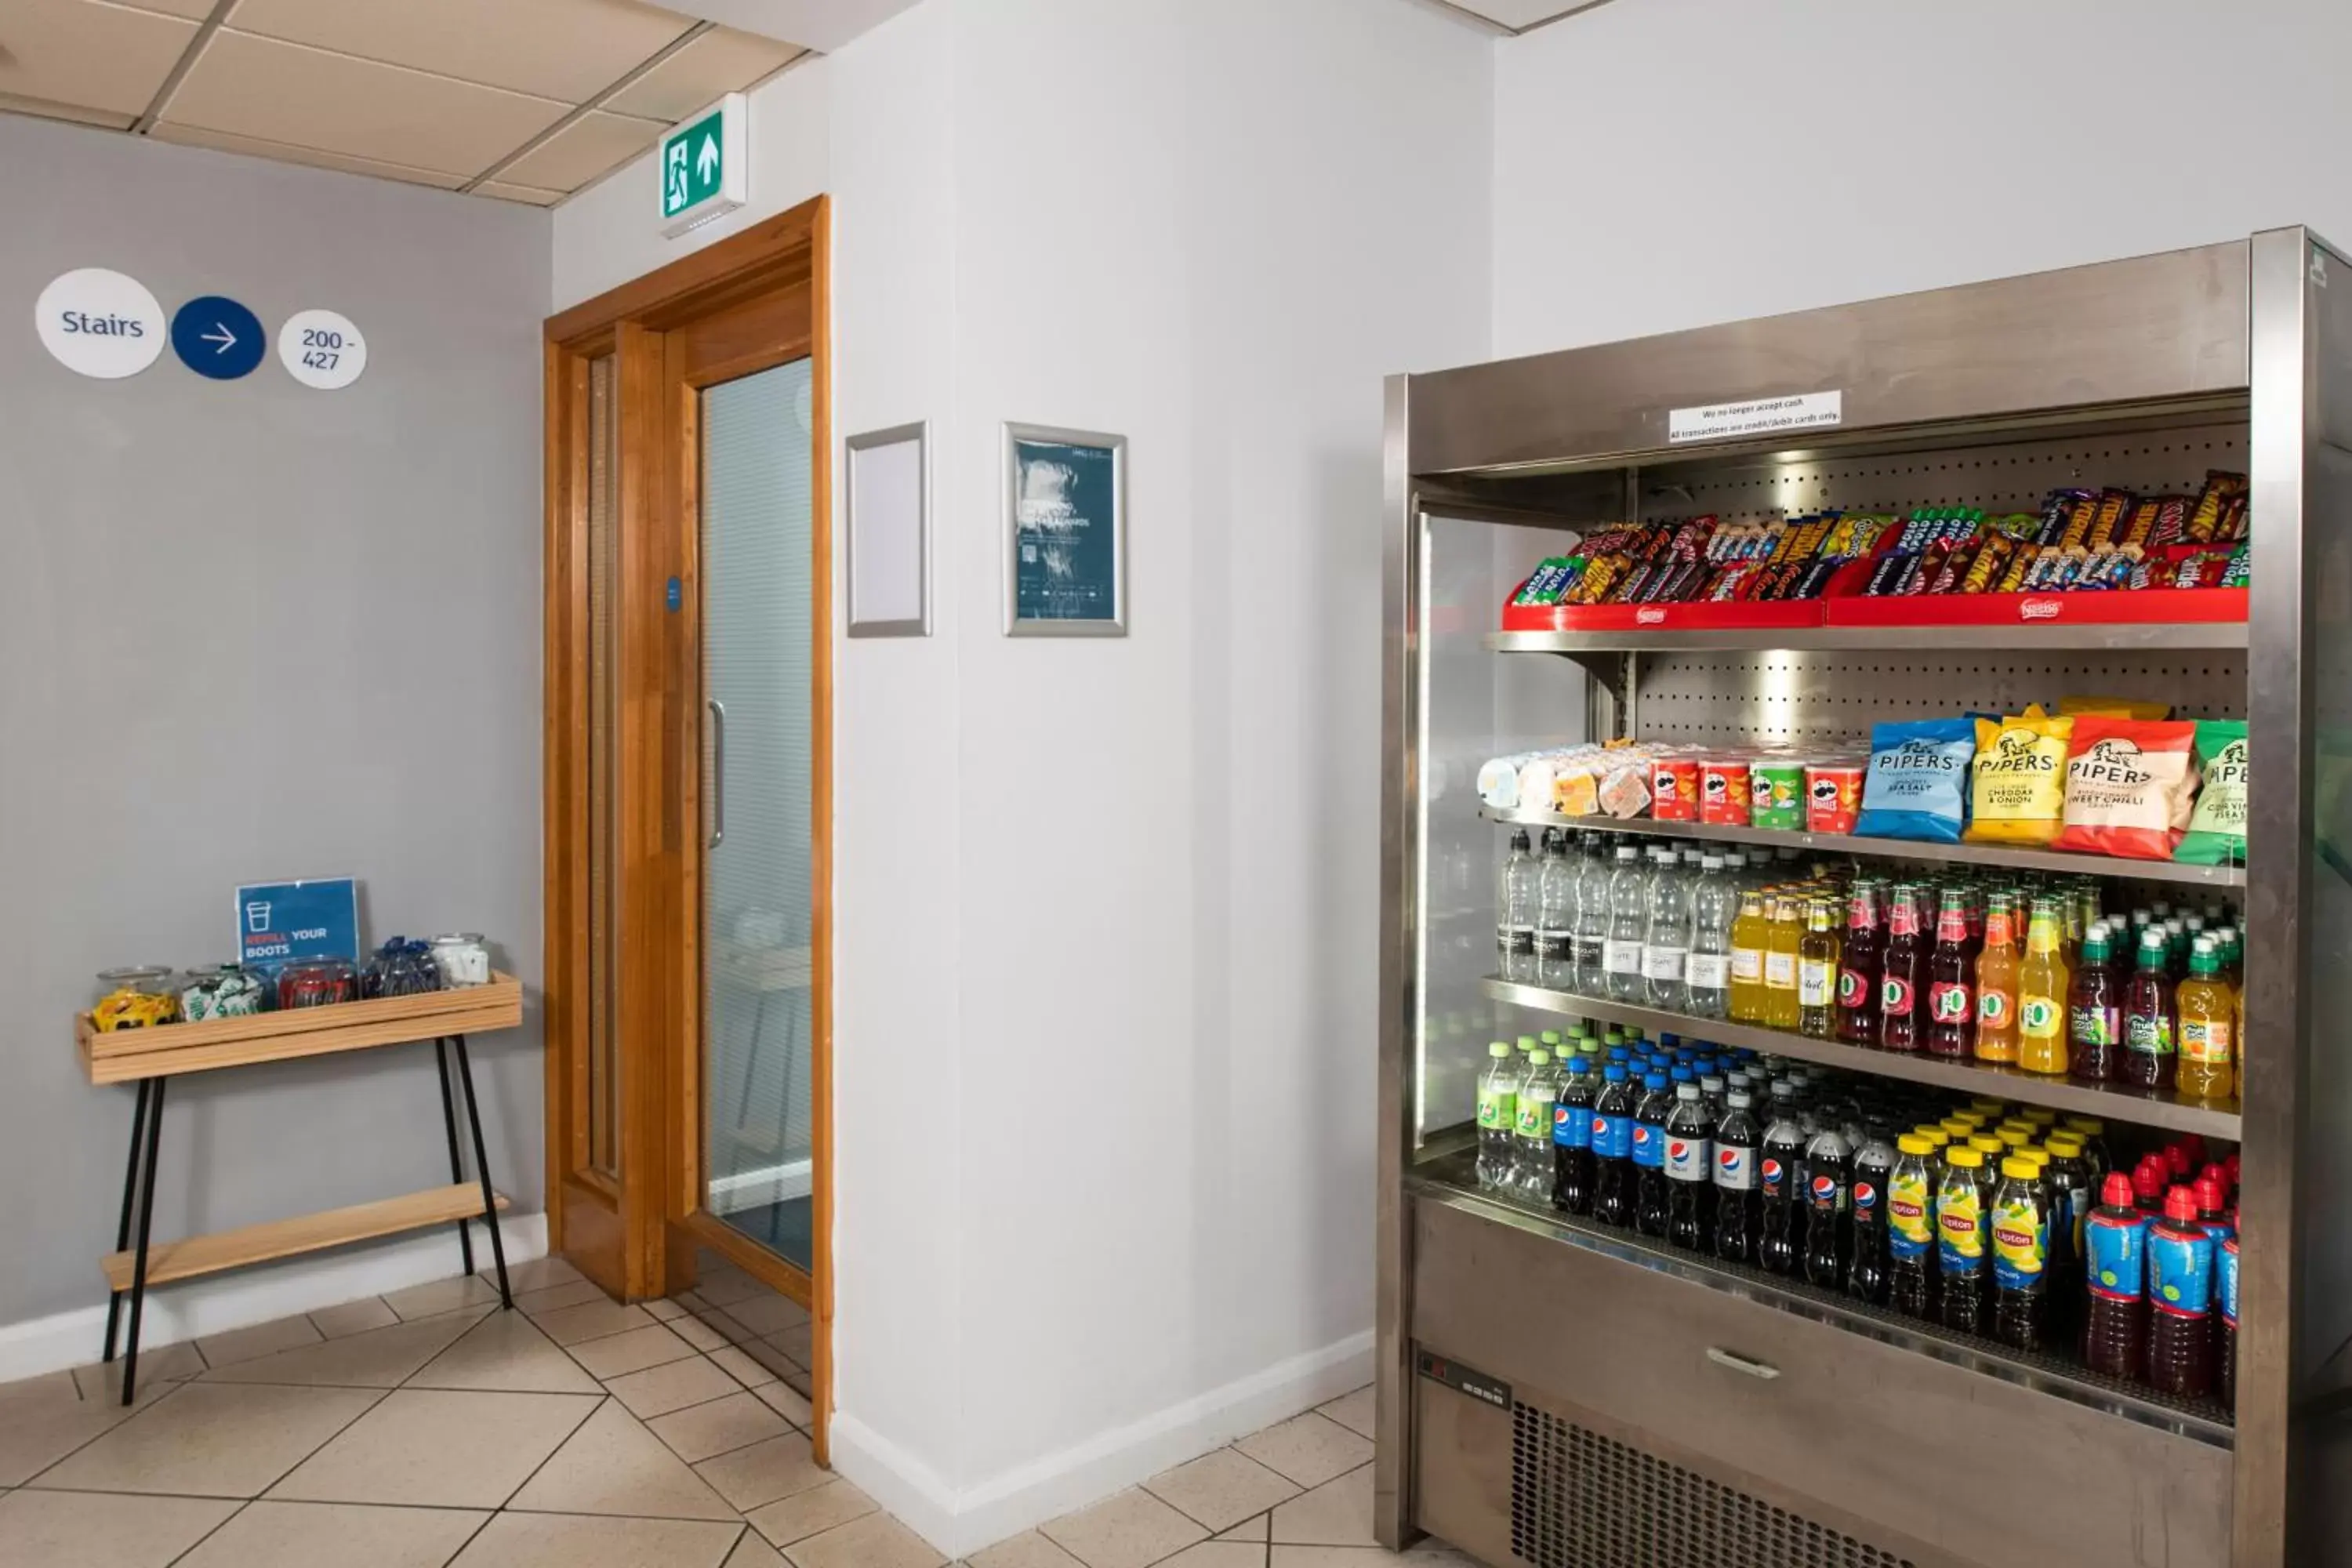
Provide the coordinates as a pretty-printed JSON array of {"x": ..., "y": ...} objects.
[{"x": 522, "y": 100}]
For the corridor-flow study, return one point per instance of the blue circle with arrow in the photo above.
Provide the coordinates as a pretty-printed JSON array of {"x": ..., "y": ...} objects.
[{"x": 214, "y": 336}]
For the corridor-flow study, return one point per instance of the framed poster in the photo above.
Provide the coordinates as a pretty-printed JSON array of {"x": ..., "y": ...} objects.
[
  {"x": 889, "y": 532},
  {"x": 1064, "y": 532}
]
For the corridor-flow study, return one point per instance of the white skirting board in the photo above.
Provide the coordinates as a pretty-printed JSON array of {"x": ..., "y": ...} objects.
[
  {"x": 259, "y": 1295},
  {"x": 767, "y": 1184},
  {"x": 957, "y": 1523}
]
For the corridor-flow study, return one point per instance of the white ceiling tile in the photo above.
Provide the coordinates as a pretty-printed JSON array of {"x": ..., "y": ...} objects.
[
  {"x": 720, "y": 61},
  {"x": 88, "y": 54},
  {"x": 582, "y": 151},
  {"x": 310, "y": 97},
  {"x": 193, "y": 10},
  {"x": 252, "y": 146},
  {"x": 12, "y": 104},
  {"x": 524, "y": 194},
  {"x": 565, "y": 49}
]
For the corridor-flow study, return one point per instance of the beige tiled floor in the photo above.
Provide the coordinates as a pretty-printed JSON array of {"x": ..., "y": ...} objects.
[{"x": 427, "y": 1430}]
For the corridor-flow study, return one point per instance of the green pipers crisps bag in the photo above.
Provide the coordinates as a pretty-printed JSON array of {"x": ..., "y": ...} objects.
[{"x": 2217, "y": 829}]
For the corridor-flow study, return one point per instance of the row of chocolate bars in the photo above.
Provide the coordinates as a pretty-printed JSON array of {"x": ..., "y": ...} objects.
[{"x": 2079, "y": 540}]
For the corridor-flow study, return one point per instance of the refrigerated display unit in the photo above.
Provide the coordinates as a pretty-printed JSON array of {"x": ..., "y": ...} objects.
[{"x": 1565, "y": 1395}]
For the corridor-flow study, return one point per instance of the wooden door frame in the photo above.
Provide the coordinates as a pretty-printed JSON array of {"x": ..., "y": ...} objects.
[{"x": 753, "y": 300}]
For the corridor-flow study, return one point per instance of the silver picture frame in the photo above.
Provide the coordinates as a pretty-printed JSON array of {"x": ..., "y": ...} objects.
[
  {"x": 1081, "y": 575},
  {"x": 888, "y": 531}
]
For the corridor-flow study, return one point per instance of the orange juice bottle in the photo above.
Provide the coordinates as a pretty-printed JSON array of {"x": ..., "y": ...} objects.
[
  {"x": 2041, "y": 982},
  {"x": 1996, "y": 983},
  {"x": 2207, "y": 1010},
  {"x": 1748, "y": 931}
]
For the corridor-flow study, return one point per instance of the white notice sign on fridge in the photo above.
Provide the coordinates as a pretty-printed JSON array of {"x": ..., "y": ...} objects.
[{"x": 1757, "y": 416}]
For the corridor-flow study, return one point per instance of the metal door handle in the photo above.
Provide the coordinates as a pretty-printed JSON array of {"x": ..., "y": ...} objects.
[
  {"x": 1755, "y": 1369},
  {"x": 717, "y": 771}
]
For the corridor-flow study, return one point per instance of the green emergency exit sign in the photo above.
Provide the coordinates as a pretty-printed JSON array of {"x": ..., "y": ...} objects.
[{"x": 703, "y": 172}]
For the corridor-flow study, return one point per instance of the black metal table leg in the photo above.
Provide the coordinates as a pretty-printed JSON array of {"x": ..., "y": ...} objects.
[
  {"x": 449, "y": 1122},
  {"x": 482, "y": 1166},
  {"x": 139, "y": 1262},
  {"x": 122, "y": 1225}
]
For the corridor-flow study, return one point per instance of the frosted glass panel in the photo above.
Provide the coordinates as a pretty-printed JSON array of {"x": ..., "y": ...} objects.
[{"x": 757, "y": 673}]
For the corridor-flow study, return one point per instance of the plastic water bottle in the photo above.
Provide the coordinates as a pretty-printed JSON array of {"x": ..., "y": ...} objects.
[
  {"x": 1592, "y": 877},
  {"x": 1531, "y": 1152},
  {"x": 1556, "y": 914},
  {"x": 1667, "y": 939},
  {"x": 1707, "y": 972},
  {"x": 1515, "y": 911},
  {"x": 1498, "y": 1110},
  {"x": 1629, "y": 920}
]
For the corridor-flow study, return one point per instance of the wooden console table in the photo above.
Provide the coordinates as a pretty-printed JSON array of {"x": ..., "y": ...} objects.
[{"x": 151, "y": 1058}]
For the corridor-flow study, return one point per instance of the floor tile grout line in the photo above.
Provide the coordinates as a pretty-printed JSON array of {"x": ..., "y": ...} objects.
[
  {"x": 183, "y": 1555},
  {"x": 570, "y": 1432},
  {"x": 32, "y": 1482}
]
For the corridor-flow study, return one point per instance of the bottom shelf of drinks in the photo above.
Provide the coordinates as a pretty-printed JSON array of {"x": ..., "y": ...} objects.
[{"x": 2091, "y": 1251}]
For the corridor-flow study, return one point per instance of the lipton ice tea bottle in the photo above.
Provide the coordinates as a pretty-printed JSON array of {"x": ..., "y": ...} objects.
[
  {"x": 2041, "y": 989},
  {"x": 1749, "y": 931},
  {"x": 1997, "y": 968},
  {"x": 2208, "y": 1009}
]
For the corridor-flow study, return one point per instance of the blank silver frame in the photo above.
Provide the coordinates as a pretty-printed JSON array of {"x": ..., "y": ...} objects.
[
  {"x": 918, "y": 625},
  {"x": 1015, "y": 627}
]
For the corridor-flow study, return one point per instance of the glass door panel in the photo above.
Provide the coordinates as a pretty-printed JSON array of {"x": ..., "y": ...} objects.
[
  {"x": 602, "y": 990},
  {"x": 757, "y": 674}
]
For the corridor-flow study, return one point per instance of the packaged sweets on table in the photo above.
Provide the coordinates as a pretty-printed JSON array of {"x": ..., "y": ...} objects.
[
  {"x": 2129, "y": 784},
  {"x": 2216, "y": 826},
  {"x": 1832, "y": 795},
  {"x": 1917, "y": 786},
  {"x": 1723, "y": 790},
  {"x": 2017, "y": 790},
  {"x": 1674, "y": 788},
  {"x": 1624, "y": 785},
  {"x": 1775, "y": 793}
]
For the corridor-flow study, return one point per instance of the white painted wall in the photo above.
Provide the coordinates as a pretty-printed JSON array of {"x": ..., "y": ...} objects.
[
  {"x": 1105, "y": 1127},
  {"x": 1674, "y": 162}
]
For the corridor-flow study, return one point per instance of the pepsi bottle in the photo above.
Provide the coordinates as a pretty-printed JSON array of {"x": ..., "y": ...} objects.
[
  {"x": 1868, "y": 1278},
  {"x": 1780, "y": 1248},
  {"x": 1739, "y": 1211},
  {"x": 1690, "y": 1160},
  {"x": 1650, "y": 1157},
  {"x": 1829, "y": 1189},
  {"x": 1572, "y": 1142},
  {"x": 1612, "y": 1148}
]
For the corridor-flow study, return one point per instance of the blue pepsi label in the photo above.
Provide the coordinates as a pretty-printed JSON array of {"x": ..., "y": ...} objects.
[
  {"x": 2115, "y": 1251},
  {"x": 1776, "y": 1177},
  {"x": 1649, "y": 1145},
  {"x": 1734, "y": 1168},
  {"x": 2225, "y": 1273},
  {"x": 1571, "y": 1126},
  {"x": 1613, "y": 1136},
  {"x": 2181, "y": 1271}
]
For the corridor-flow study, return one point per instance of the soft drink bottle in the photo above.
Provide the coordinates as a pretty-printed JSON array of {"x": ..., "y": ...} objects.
[
  {"x": 2114, "y": 1250},
  {"x": 1592, "y": 878},
  {"x": 2225, "y": 1274},
  {"x": 1556, "y": 914},
  {"x": 1778, "y": 1175},
  {"x": 2044, "y": 986},
  {"x": 1629, "y": 893},
  {"x": 1514, "y": 910},
  {"x": 1911, "y": 1227},
  {"x": 1707, "y": 974},
  {"x": 1902, "y": 970},
  {"x": 1571, "y": 1139},
  {"x": 1859, "y": 967},
  {"x": 2180, "y": 1299},
  {"x": 1828, "y": 1187},
  {"x": 1868, "y": 1278},
  {"x": 2021, "y": 1268},
  {"x": 1498, "y": 1107},
  {"x": 1817, "y": 973},
  {"x": 2073, "y": 1195},
  {"x": 1951, "y": 995},
  {"x": 1612, "y": 1148},
  {"x": 2151, "y": 1018},
  {"x": 1739, "y": 1211},
  {"x": 2094, "y": 1013},
  {"x": 1750, "y": 932},
  {"x": 1650, "y": 1209},
  {"x": 1531, "y": 1152},
  {"x": 1666, "y": 938},
  {"x": 1690, "y": 1157},
  {"x": 1961, "y": 1232},
  {"x": 2207, "y": 1010},
  {"x": 1781, "y": 948},
  {"x": 1996, "y": 965}
]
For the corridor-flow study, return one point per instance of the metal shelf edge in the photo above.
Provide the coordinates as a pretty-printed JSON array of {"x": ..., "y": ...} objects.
[
  {"x": 1888, "y": 848},
  {"x": 1699, "y": 1271},
  {"x": 2216, "y": 1119}
]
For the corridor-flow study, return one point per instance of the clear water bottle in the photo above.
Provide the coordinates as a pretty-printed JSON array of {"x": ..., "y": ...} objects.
[
  {"x": 1665, "y": 939},
  {"x": 1629, "y": 924},
  {"x": 1516, "y": 895},
  {"x": 1531, "y": 1156},
  {"x": 1592, "y": 881},
  {"x": 1707, "y": 973},
  {"x": 1556, "y": 914}
]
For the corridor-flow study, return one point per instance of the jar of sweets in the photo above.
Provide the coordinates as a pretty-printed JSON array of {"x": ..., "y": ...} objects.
[{"x": 462, "y": 959}]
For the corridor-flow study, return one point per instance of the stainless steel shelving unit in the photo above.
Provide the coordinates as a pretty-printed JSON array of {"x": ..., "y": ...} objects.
[{"x": 1555, "y": 1393}]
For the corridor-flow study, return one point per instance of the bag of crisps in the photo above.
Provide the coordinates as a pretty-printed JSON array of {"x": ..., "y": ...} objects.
[
  {"x": 2217, "y": 827},
  {"x": 1916, "y": 786},
  {"x": 2018, "y": 782},
  {"x": 2128, "y": 786}
]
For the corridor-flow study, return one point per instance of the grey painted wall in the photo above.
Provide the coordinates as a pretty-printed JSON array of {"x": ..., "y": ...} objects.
[{"x": 252, "y": 630}]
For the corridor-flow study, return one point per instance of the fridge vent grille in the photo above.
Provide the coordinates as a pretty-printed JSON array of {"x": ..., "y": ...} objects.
[{"x": 1582, "y": 1500}]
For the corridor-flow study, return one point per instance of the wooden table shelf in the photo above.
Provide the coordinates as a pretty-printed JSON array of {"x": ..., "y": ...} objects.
[
  {"x": 125, "y": 1056},
  {"x": 201, "y": 1255}
]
